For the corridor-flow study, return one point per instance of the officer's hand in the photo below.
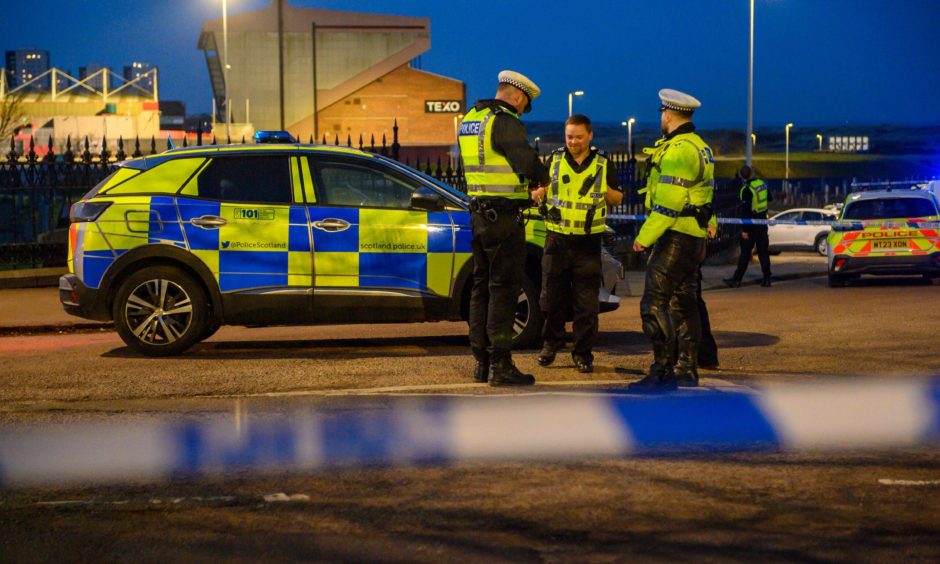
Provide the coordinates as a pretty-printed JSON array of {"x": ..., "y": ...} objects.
[
  {"x": 712, "y": 231},
  {"x": 744, "y": 235},
  {"x": 637, "y": 247},
  {"x": 538, "y": 195}
]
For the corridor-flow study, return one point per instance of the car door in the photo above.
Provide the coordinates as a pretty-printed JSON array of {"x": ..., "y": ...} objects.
[
  {"x": 369, "y": 239},
  {"x": 783, "y": 235},
  {"x": 806, "y": 234},
  {"x": 239, "y": 219}
]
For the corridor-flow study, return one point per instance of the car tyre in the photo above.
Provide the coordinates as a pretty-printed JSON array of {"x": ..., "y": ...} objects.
[
  {"x": 160, "y": 311},
  {"x": 527, "y": 327},
  {"x": 822, "y": 244},
  {"x": 836, "y": 280}
]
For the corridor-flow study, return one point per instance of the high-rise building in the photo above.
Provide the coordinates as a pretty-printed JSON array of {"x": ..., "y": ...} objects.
[
  {"x": 137, "y": 70},
  {"x": 24, "y": 65}
]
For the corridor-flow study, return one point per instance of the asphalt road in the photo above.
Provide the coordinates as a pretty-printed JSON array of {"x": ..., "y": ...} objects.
[{"x": 846, "y": 506}]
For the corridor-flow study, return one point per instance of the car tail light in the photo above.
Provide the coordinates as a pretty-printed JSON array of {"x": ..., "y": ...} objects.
[
  {"x": 839, "y": 264},
  {"x": 87, "y": 211}
]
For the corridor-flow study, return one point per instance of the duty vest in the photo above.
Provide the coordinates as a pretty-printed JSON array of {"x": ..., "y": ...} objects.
[
  {"x": 488, "y": 173},
  {"x": 681, "y": 176},
  {"x": 578, "y": 197},
  {"x": 758, "y": 195}
]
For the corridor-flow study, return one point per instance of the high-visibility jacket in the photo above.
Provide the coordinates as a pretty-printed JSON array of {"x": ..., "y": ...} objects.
[
  {"x": 758, "y": 196},
  {"x": 488, "y": 173},
  {"x": 578, "y": 196},
  {"x": 682, "y": 176}
]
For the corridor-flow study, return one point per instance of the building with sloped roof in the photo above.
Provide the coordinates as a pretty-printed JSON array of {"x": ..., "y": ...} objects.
[{"x": 362, "y": 82}]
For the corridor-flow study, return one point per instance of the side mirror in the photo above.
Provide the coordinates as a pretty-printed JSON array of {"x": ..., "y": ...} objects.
[{"x": 426, "y": 199}]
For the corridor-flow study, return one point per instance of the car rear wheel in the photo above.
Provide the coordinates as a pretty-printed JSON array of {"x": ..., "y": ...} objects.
[
  {"x": 822, "y": 244},
  {"x": 836, "y": 280},
  {"x": 527, "y": 327},
  {"x": 160, "y": 311}
]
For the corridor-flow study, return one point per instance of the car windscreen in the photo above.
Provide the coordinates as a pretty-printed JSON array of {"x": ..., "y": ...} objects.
[{"x": 890, "y": 208}]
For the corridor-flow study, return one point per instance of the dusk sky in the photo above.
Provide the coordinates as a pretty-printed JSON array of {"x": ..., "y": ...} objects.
[{"x": 825, "y": 62}]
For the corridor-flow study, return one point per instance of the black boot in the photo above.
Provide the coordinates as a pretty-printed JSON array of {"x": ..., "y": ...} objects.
[
  {"x": 732, "y": 282},
  {"x": 661, "y": 377},
  {"x": 482, "y": 372},
  {"x": 504, "y": 373},
  {"x": 583, "y": 363},
  {"x": 765, "y": 282},
  {"x": 547, "y": 355},
  {"x": 686, "y": 371}
]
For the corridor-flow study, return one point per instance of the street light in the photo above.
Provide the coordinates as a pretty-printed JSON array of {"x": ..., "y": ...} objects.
[
  {"x": 629, "y": 126},
  {"x": 225, "y": 67},
  {"x": 753, "y": 139},
  {"x": 819, "y": 138},
  {"x": 750, "y": 94},
  {"x": 787, "y": 132},
  {"x": 571, "y": 96}
]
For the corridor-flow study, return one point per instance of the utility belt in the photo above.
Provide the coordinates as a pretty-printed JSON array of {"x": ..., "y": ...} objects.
[
  {"x": 491, "y": 208},
  {"x": 701, "y": 214}
]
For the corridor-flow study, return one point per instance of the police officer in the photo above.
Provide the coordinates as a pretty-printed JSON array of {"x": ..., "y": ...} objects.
[
  {"x": 679, "y": 195},
  {"x": 582, "y": 185},
  {"x": 753, "y": 197},
  {"x": 500, "y": 167}
]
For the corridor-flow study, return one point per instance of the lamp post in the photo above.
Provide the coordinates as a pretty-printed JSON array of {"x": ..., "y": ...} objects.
[
  {"x": 819, "y": 138},
  {"x": 629, "y": 125},
  {"x": 787, "y": 166},
  {"x": 571, "y": 96},
  {"x": 753, "y": 139},
  {"x": 225, "y": 66},
  {"x": 750, "y": 93}
]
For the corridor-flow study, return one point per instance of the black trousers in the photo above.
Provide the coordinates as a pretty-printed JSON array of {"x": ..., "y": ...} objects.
[
  {"x": 707, "y": 347},
  {"x": 498, "y": 267},
  {"x": 756, "y": 235},
  {"x": 571, "y": 279},
  {"x": 669, "y": 307}
]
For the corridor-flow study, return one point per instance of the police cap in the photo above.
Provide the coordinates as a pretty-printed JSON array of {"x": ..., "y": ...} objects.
[
  {"x": 520, "y": 81},
  {"x": 670, "y": 99}
]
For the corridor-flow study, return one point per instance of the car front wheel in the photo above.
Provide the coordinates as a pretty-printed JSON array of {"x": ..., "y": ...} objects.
[{"x": 160, "y": 311}]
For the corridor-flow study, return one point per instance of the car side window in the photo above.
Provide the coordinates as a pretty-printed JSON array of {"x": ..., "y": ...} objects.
[
  {"x": 789, "y": 216},
  {"x": 247, "y": 178},
  {"x": 348, "y": 183},
  {"x": 812, "y": 216}
]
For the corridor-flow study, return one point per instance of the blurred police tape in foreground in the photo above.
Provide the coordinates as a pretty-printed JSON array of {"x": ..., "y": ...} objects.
[
  {"x": 853, "y": 414},
  {"x": 836, "y": 225}
]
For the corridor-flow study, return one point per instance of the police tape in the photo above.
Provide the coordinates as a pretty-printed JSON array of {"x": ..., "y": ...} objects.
[
  {"x": 837, "y": 225},
  {"x": 876, "y": 414}
]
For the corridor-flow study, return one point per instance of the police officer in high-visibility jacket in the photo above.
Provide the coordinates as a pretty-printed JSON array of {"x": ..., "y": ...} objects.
[
  {"x": 583, "y": 183},
  {"x": 500, "y": 168},
  {"x": 679, "y": 195},
  {"x": 754, "y": 197}
]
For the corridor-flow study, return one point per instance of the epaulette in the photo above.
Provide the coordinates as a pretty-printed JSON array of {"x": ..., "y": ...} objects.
[
  {"x": 559, "y": 150},
  {"x": 601, "y": 152}
]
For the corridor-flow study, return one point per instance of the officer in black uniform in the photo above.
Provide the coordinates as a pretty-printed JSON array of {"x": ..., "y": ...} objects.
[
  {"x": 583, "y": 184},
  {"x": 754, "y": 198},
  {"x": 500, "y": 169}
]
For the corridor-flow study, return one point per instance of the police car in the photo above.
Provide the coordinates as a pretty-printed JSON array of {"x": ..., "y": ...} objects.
[
  {"x": 174, "y": 245},
  {"x": 899, "y": 235}
]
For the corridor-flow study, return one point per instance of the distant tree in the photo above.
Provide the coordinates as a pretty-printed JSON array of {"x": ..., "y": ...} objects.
[{"x": 11, "y": 114}]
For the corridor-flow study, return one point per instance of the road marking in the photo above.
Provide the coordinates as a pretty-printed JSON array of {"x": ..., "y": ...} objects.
[
  {"x": 890, "y": 482},
  {"x": 283, "y": 497},
  {"x": 709, "y": 385}
]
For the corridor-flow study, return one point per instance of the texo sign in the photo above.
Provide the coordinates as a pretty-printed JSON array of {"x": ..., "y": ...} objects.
[{"x": 441, "y": 106}]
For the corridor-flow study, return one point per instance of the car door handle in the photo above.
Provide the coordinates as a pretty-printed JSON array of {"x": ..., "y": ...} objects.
[
  {"x": 331, "y": 224},
  {"x": 208, "y": 221}
]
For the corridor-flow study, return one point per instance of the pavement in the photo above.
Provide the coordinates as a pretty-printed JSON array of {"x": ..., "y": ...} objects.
[{"x": 37, "y": 309}]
